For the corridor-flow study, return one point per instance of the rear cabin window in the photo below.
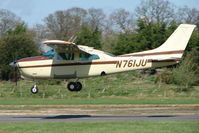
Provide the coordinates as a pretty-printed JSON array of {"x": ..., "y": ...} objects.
[
  {"x": 87, "y": 57},
  {"x": 65, "y": 56}
]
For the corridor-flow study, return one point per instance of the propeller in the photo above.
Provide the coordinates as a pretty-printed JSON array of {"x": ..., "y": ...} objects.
[{"x": 14, "y": 64}]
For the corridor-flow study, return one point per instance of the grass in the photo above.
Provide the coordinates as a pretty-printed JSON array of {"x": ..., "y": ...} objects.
[
  {"x": 124, "y": 88},
  {"x": 36, "y": 101},
  {"x": 102, "y": 127}
]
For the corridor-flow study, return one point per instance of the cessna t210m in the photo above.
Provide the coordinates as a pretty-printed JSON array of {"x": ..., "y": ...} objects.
[{"x": 66, "y": 60}]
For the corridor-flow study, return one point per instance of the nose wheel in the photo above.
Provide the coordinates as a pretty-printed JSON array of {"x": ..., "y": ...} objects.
[
  {"x": 34, "y": 89},
  {"x": 74, "y": 86}
]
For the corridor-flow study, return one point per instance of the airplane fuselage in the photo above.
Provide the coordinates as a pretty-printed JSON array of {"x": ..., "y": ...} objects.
[{"x": 41, "y": 67}]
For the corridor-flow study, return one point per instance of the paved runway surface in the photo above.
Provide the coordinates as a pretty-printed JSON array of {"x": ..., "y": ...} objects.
[{"x": 94, "y": 118}]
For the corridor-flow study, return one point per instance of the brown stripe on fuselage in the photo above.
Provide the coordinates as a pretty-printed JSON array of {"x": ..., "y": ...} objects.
[
  {"x": 72, "y": 64},
  {"x": 35, "y": 58},
  {"x": 167, "y": 60},
  {"x": 155, "y": 53}
]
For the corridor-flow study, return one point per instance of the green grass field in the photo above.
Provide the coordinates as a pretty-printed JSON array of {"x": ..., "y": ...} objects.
[
  {"x": 124, "y": 88},
  {"x": 102, "y": 127},
  {"x": 122, "y": 100}
]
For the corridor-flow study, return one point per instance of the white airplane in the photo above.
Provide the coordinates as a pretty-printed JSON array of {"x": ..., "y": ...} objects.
[{"x": 66, "y": 60}]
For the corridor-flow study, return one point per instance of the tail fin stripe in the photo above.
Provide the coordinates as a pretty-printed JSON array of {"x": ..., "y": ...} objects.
[{"x": 155, "y": 53}]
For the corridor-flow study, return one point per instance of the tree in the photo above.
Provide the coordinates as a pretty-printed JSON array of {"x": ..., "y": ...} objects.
[
  {"x": 58, "y": 25},
  {"x": 125, "y": 44},
  {"x": 65, "y": 24},
  {"x": 150, "y": 35},
  {"x": 16, "y": 44},
  {"x": 39, "y": 33},
  {"x": 96, "y": 18},
  {"x": 123, "y": 20},
  {"x": 156, "y": 11},
  {"x": 194, "y": 47},
  {"x": 185, "y": 74},
  {"x": 147, "y": 36},
  {"x": 78, "y": 17},
  {"x": 189, "y": 16},
  {"x": 89, "y": 38},
  {"x": 8, "y": 21}
]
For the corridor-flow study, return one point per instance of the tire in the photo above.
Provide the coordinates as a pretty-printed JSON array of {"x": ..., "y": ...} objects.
[
  {"x": 103, "y": 73},
  {"x": 72, "y": 86},
  {"x": 79, "y": 86},
  {"x": 34, "y": 89}
]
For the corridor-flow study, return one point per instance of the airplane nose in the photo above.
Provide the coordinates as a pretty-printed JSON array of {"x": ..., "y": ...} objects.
[{"x": 12, "y": 63}]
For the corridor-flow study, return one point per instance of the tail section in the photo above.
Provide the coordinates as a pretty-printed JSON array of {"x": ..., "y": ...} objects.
[
  {"x": 173, "y": 47},
  {"x": 178, "y": 40}
]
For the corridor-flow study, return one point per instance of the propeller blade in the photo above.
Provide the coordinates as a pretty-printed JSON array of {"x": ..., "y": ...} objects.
[
  {"x": 14, "y": 64},
  {"x": 16, "y": 78},
  {"x": 15, "y": 74}
]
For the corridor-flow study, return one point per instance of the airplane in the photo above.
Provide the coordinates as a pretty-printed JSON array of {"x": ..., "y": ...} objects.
[{"x": 66, "y": 60}]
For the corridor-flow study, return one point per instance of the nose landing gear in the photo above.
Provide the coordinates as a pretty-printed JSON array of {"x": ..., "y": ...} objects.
[{"x": 34, "y": 89}]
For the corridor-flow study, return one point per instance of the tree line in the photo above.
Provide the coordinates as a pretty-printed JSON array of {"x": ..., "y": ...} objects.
[{"x": 119, "y": 32}]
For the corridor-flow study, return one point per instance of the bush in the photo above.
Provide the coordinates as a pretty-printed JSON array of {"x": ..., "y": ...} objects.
[
  {"x": 18, "y": 44},
  {"x": 165, "y": 77},
  {"x": 185, "y": 74}
]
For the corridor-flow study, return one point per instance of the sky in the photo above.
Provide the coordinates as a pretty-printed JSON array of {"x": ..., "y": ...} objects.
[{"x": 34, "y": 11}]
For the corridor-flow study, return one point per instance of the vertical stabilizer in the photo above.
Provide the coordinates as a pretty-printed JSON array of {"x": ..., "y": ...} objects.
[
  {"x": 174, "y": 46},
  {"x": 178, "y": 39}
]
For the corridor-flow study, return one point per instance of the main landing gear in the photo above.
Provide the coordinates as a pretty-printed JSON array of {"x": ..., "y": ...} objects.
[{"x": 74, "y": 86}]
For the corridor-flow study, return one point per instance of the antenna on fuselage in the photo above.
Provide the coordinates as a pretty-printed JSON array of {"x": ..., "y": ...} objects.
[{"x": 72, "y": 39}]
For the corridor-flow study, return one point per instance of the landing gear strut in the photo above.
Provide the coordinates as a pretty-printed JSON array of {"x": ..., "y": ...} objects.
[
  {"x": 34, "y": 89},
  {"x": 74, "y": 86}
]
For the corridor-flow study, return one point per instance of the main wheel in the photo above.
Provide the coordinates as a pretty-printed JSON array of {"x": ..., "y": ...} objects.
[
  {"x": 78, "y": 87},
  {"x": 72, "y": 86},
  {"x": 34, "y": 89}
]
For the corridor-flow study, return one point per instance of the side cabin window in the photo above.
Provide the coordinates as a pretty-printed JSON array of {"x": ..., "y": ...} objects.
[
  {"x": 65, "y": 56},
  {"x": 87, "y": 57}
]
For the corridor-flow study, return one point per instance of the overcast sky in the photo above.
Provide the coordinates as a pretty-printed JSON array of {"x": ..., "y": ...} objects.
[{"x": 34, "y": 11}]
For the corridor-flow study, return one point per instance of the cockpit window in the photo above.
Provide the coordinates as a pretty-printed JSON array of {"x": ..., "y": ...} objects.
[
  {"x": 86, "y": 56},
  {"x": 65, "y": 56},
  {"x": 50, "y": 54}
]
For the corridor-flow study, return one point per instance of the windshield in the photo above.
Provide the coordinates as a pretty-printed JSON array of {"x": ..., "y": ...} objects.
[
  {"x": 50, "y": 54},
  {"x": 109, "y": 54}
]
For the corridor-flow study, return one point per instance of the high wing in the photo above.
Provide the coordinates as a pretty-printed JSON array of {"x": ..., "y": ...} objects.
[{"x": 62, "y": 46}]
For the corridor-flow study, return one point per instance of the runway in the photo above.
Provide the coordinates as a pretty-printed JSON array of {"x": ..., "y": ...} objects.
[
  {"x": 98, "y": 113},
  {"x": 94, "y": 118}
]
